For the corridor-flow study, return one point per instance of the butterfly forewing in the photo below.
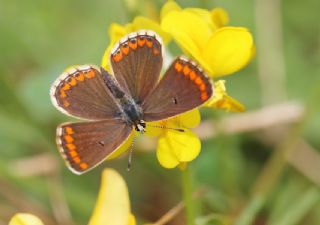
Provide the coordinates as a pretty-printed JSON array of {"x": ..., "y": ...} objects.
[
  {"x": 81, "y": 92},
  {"x": 84, "y": 145},
  {"x": 136, "y": 62},
  {"x": 183, "y": 87}
]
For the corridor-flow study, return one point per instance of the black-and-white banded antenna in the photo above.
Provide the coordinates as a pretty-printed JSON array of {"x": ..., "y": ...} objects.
[
  {"x": 131, "y": 153},
  {"x": 167, "y": 128}
]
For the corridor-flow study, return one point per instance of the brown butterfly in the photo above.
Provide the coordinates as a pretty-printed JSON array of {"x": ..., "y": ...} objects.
[{"x": 116, "y": 105}]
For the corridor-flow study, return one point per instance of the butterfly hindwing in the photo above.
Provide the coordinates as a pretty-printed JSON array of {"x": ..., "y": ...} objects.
[
  {"x": 136, "y": 62},
  {"x": 183, "y": 87},
  {"x": 84, "y": 145},
  {"x": 81, "y": 92}
]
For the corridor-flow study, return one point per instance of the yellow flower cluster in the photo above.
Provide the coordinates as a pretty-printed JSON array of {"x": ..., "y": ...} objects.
[{"x": 220, "y": 49}]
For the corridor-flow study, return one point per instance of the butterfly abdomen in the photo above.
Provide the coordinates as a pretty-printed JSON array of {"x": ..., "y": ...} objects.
[{"x": 112, "y": 85}]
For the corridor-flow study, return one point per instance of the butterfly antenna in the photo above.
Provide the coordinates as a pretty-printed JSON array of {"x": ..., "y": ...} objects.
[
  {"x": 131, "y": 153},
  {"x": 168, "y": 128}
]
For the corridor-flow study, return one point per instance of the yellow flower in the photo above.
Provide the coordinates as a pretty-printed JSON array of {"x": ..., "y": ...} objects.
[
  {"x": 25, "y": 219},
  {"x": 221, "y": 100},
  {"x": 112, "y": 206},
  {"x": 220, "y": 49},
  {"x": 175, "y": 147}
]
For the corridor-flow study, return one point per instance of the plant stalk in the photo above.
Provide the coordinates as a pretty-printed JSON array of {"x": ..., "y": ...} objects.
[{"x": 187, "y": 195}]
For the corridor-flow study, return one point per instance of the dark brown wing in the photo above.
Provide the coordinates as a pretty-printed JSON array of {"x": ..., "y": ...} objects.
[
  {"x": 85, "y": 145},
  {"x": 81, "y": 92},
  {"x": 136, "y": 62},
  {"x": 183, "y": 87}
]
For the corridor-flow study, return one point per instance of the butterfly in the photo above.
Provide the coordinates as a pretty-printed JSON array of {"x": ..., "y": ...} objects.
[{"x": 116, "y": 105}]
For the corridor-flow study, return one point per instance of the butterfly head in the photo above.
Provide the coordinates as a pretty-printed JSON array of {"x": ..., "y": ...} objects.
[{"x": 140, "y": 126}]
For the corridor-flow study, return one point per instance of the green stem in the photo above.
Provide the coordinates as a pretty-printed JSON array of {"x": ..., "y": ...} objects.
[{"x": 187, "y": 195}]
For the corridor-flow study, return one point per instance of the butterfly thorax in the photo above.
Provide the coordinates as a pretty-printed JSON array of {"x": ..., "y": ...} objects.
[{"x": 131, "y": 112}]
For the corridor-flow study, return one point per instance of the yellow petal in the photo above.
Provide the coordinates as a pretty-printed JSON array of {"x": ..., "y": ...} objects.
[
  {"x": 140, "y": 22},
  {"x": 219, "y": 17},
  {"x": 175, "y": 147},
  {"x": 228, "y": 50},
  {"x": 185, "y": 120},
  {"x": 188, "y": 119},
  {"x": 154, "y": 128},
  {"x": 189, "y": 31},
  {"x": 112, "y": 206},
  {"x": 124, "y": 147},
  {"x": 221, "y": 100},
  {"x": 25, "y": 219},
  {"x": 132, "y": 220},
  {"x": 205, "y": 15},
  {"x": 169, "y": 6},
  {"x": 165, "y": 155},
  {"x": 116, "y": 32}
]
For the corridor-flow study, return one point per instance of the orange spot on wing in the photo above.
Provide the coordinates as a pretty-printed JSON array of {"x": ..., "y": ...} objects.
[
  {"x": 117, "y": 56},
  {"x": 72, "y": 81},
  {"x": 90, "y": 74},
  {"x": 66, "y": 103},
  {"x": 156, "y": 51},
  {"x": 76, "y": 159},
  {"x": 62, "y": 94},
  {"x": 202, "y": 87},
  {"x": 192, "y": 75},
  {"x": 133, "y": 44},
  {"x": 198, "y": 81},
  {"x": 66, "y": 87},
  {"x": 149, "y": 42},
  {"x": 79, "y": 76},
  {"x": 204, "y": 96},
  {"x": 68, "y": 138},
  {"x": 141, "y": 41},
  {"x": 69, "y": 130},
  {"x": 71, "y": 147},
  {"x": 186, "y": 70},
  {"x": 73, "y": 154},
  {"x": 178, "y": 66},
  {"x": 125, "y": 49},
  {"x": 83, "y": 166}
]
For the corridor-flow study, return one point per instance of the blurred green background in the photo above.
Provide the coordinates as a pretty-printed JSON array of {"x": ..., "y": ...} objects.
[{"x": 268, "y": 174}]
